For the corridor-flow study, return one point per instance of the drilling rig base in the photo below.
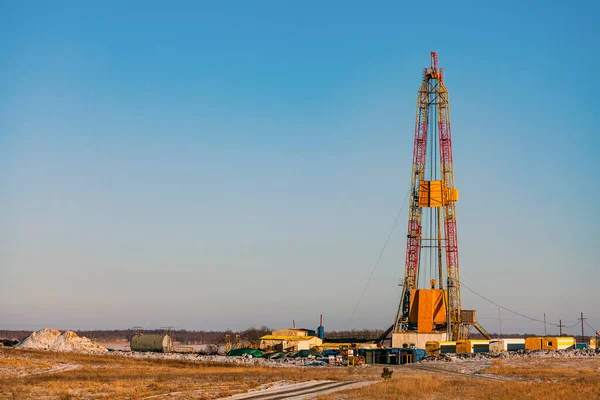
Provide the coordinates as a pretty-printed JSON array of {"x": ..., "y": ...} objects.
[{"x": 400, "y": 339}]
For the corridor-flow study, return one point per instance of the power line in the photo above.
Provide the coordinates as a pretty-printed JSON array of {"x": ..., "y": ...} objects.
[
  {"x": 592, "y": 328},
  {"x": 380, "y": 255},
  {"x": 571, "y": 326},
  {"x": 507, "y": 309}
]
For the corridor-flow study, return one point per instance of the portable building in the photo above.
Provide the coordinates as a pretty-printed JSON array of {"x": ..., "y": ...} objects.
[
  {"x": 291, "y": 343},
  {"x": 294, "y": 332},
  {"x": 154, "y": 343},
  {"x": 480, "y": 345},
  {"x": 594, "y": 343},
  {"x": 558, "y": 343},
  {"x": 447, "y": 347},
  {"x": 500, "y": 345},
  {"x": 533, "y": 343}
]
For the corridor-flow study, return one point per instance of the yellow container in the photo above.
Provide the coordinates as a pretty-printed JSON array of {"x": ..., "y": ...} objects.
[
  {"x": 593, "y": 343},
  {"x": 533, "y": 343},
  {"x": 432, "y": 347},
  {"x": 464, "y": 347}
]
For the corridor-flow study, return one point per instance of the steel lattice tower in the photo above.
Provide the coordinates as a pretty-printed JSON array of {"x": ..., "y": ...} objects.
[{"x": 432, "y": 188}]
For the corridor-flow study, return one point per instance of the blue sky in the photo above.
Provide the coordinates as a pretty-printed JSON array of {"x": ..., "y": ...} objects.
[{"x": 215, "y": 165}]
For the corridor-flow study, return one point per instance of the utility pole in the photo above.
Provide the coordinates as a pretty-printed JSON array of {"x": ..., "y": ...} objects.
[
  {"x": 544, "y": 324},
  {"x": 582, "y": 333},
  {"x": 500, "y": 321},
  {"x": 560, "y": 326}
]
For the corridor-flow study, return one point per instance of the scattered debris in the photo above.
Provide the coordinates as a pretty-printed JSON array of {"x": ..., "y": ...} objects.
[
  {"x": 387, "y": 373},
  {"x": 8, "y": 343},
  {"x": 52, "y": 339}
]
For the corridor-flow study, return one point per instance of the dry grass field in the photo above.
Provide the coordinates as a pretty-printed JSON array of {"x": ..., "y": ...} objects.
[
  {"x": 47, "y": 375},
  {"x": 26, "y": 374}
]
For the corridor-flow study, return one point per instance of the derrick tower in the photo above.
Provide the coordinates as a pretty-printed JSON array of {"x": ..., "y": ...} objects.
[{"x": 431, "y": 301}]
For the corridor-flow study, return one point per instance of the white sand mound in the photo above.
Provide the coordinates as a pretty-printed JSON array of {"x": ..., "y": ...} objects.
[
  {"x": 40, "y": 340},
  {"x": 51, "y": 339}
]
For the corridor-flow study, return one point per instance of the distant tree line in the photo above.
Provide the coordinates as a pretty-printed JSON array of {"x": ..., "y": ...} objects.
[
  {"x": 248, "y": 336},
  {"x": 183, "y": 336}
]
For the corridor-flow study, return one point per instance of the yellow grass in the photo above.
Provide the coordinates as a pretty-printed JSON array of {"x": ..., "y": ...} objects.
[
  {"x": 120, "y": 377},
  {"x": 67, "y": 375}
]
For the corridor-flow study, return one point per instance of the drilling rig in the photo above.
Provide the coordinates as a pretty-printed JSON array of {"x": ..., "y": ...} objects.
[{"x": 430, "y": 307}]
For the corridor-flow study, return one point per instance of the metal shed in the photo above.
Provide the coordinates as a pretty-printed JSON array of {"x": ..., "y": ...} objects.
[{"x": 155, "y": 343}]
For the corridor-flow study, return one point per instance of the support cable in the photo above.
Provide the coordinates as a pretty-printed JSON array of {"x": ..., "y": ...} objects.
[
  {"x": 509, "y": 310},
  {"x": 380, "y": 255}
]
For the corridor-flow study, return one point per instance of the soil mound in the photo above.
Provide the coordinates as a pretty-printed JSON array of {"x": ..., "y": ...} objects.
[{"x": 51, "y": 339}]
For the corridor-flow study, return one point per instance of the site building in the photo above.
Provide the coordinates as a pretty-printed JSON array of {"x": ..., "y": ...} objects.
[{"x": 288, "y": 342}]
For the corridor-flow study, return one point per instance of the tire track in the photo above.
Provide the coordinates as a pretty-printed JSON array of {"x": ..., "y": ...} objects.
[
  {"x": 455, "y": 373},
  {"x": 300, "y": 390}
]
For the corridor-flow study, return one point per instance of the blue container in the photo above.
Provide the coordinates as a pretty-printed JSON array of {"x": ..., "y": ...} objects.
[{"x": 419, "y": 354}]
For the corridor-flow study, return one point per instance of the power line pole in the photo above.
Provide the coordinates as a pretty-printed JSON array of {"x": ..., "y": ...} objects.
[
  {"x": 560, "y": 326},
  {"x": 582, "y": 333},
  {"x": 544, "y": 324},
  {"x": 500, "y": 321}
]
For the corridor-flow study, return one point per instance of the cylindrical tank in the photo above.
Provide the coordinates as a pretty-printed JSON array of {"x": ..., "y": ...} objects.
[
  {"x": 321, "y": 332},
  {"x": 155, "y": 343},
  {"x": 321, "y": 329}
]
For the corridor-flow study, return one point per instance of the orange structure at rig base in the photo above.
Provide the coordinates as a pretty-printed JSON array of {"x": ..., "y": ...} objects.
[{"x": 428, "y": 308}]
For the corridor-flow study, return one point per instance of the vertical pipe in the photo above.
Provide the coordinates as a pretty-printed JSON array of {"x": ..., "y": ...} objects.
[{"x": 439, "y": 229}]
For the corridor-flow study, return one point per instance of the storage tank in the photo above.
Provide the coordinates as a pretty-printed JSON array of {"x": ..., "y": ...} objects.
[
  {"x": 154, "y": 343},
  {"x": 321, "y": 329}
]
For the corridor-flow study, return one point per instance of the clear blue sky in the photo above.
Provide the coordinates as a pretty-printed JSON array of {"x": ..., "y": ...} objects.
[{"x": 216, "y": 165}]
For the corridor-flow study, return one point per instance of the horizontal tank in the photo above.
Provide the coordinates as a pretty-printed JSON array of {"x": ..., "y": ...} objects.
[{"x": 154, "y": 343}]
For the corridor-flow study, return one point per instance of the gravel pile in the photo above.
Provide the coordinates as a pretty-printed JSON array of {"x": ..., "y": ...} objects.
[
  {"x": 246, "y": 360},
  {"x": 52, "y": 339},
  {"x": 571, "y": 353}
]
